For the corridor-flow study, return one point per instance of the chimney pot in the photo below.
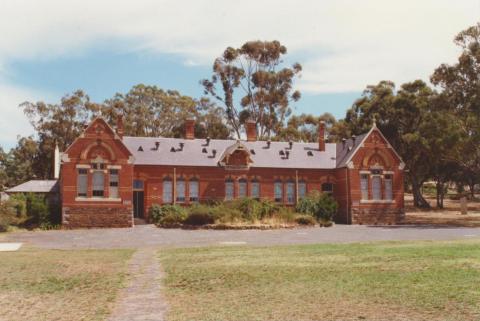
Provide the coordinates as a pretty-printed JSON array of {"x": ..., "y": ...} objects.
[
  {"x": 251, "y": 128},
  {"x": 321, "y": 136},
  {"x": 190, "y": 128}
]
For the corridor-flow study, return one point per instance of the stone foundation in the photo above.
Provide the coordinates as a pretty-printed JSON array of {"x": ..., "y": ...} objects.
[
  {"x": 374, "y": 216},
  {"x": 95, "y": 217}
]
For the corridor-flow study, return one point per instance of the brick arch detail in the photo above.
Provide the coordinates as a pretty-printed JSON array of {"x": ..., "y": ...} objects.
[
  {"x": 102, "y": 145},
  {"x": 380, "y": 156}
]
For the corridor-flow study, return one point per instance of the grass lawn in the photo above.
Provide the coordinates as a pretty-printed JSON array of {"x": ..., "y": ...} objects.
[
  {"x": 60, "y": 285},
  {"x": 376, "y": 281}
]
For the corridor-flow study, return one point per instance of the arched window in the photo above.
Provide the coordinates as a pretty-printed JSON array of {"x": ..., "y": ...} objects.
[
  {"x": 278, "y": 191},
  {"x": 255, "y": 189},
  {"x": 327, "y": 188},
  {"x": 242, "y": 188},
  {"x": 180, "y": 190},
  {"x": 193, "y": 190},
  {"x": 290, "y": 192},
  {"x": 302, "y": 189},
  {"x": 167, "y": 190},
  {"x": 229, "y": 190}
]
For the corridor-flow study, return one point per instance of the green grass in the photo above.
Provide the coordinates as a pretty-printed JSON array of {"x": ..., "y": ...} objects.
[
  {"x": 60, "y": 285},
  {"x": 376, "y": 281}
]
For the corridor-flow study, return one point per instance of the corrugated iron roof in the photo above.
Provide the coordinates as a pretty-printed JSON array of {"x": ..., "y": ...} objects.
[
  {"x": 348, "y": 148},
  {"x": 36, "y": 186},
  {"x": 196, "y": 152}
]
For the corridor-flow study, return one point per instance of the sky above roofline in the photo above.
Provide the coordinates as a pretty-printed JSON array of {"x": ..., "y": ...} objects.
[{"x": 50, "y": 48}]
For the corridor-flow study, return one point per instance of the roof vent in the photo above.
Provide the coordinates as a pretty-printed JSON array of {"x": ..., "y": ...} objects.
[
  {"x": 287, "y": 154},
  {"x": 343, "y": 142},
  {"x": 269, "y": 142},
  {"x": 353, "y": 138},
  {"x": 349, "y": 148},
  {"x": 252, "y": 151},
  {"x": 173, "y": 150},
  {"x": 181, "y": 146},
  {"x": 208, "y": 140},
  {"x": 214, "y": 152},
  {"x": 290, "y": 144},
  {"x": 310, "y": 153},
  {"x": 140, "y": 149},
  {"x": 204, "y": 150},
  {"x": 281, "y": 152},
  {"x": 157, "y": 145}
]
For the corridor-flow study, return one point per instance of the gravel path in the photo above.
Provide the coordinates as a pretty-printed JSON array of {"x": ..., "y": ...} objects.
[
  {"x": 141, "y": 300},
  {"x": 151, "y": 236}
]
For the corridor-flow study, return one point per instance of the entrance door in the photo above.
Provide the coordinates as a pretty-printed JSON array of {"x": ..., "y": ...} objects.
[{"x": 138, "y": 204}]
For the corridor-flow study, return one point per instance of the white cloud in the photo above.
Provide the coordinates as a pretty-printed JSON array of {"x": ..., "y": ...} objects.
[{"x": 365, "y": 41}]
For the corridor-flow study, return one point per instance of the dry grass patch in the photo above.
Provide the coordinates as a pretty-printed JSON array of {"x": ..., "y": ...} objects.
[
  {"x": 60, "y": 285},
  {"x": 378, "y": 281}
]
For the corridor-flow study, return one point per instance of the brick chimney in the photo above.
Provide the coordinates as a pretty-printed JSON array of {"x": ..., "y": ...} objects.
[
  {"x": 251, "y": 128},
  {"x": 190, "y": 128},
  {"x": 120, "y": 129},
  {"x": 321, "y": 136}
]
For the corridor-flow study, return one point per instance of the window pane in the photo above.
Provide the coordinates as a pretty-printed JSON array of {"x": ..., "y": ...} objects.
[
  {"x": 82, "y": 181},
  {"x": 364, "y": 186},
  {"x": 302, "y": 189},
  {"x": 376, "y": 188},
  {"x": 193, "y": 189},
  {"x": 278, "y": 189},
  {"x": 388, "y": 187},
  {"x": 242, "y": 188},
  {"x": 113, "y": 190},
  {"x": 255, "y": 189},
  {"x": 229, "y": 190},
  {"x": 98, "y": 180},
  {"x": 180, "y": 192},
  {"x": 290, "y": 192},
  {"x": 167, "y": 192}
]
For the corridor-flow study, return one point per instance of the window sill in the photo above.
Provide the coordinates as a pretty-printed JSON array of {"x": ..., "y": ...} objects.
[
  {"x": 97, "y": 199},
  {"x": 377, "y": 201}
]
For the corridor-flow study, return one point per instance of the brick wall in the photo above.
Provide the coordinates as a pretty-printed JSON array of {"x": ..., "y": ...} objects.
[{"x": 93, "y": 217}]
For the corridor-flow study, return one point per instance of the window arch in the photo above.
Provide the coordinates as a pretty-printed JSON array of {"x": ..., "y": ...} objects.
[{"x": 167, "y": 195}]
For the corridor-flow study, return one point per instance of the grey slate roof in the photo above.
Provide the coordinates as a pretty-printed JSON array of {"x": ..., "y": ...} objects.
[
  {"x": 36, "y": 186},
  {"x": 347, "y": 149},
  {"x": 192, "y": 154}
]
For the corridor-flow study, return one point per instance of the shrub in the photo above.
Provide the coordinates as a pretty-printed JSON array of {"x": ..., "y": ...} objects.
[
  {"x": 226, "y": 214},
  {"x": 305, "y": 219},
  {"x": 320, "y": 205},
  {"x": 37, "y": 209},
  {"x": 200, "y": 215},
  {"x": 167, "y": 215},
  {"x": 253, "y": 209},
  {"x": 285, "y": 214},
  {"x": 267, "y": 208}
]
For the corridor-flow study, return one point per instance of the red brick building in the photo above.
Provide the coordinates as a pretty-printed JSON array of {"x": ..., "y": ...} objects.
[{"x": 108, "y": 179}]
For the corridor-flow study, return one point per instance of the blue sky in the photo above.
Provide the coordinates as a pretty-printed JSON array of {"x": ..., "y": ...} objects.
[{"x": 54, "y": 47}]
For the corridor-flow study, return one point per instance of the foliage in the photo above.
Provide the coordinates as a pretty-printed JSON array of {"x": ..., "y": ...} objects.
[
  {"x": 200, "y": 215},
  {"x": 167, "y": 215},
  {"x": 266, "y": 91},
  {"x": 305, "y": 220},
  {"x": 37, "y": 210},
  {"x": 253, "y": 209},
  {"x": 320, "y": 205}
]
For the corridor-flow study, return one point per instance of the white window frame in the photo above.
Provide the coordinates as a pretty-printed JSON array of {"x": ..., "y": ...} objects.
[
  {"x": 242, "y": 188},
  {"x": 255, "y": 189},
  {"x": 167, "y": 191},
  {"x": 229, "y": 190},
  {"x": 82, "y": 182},
  {"x": 278, "y": 191},
  {"x": 290, "y": 192},
  {"x": 180, "y": 191}
]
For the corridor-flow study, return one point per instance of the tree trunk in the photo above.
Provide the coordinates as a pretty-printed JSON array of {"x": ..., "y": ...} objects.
[
  {"x": 418, "y": 199},
  {"x": 440, "y": 192}
]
